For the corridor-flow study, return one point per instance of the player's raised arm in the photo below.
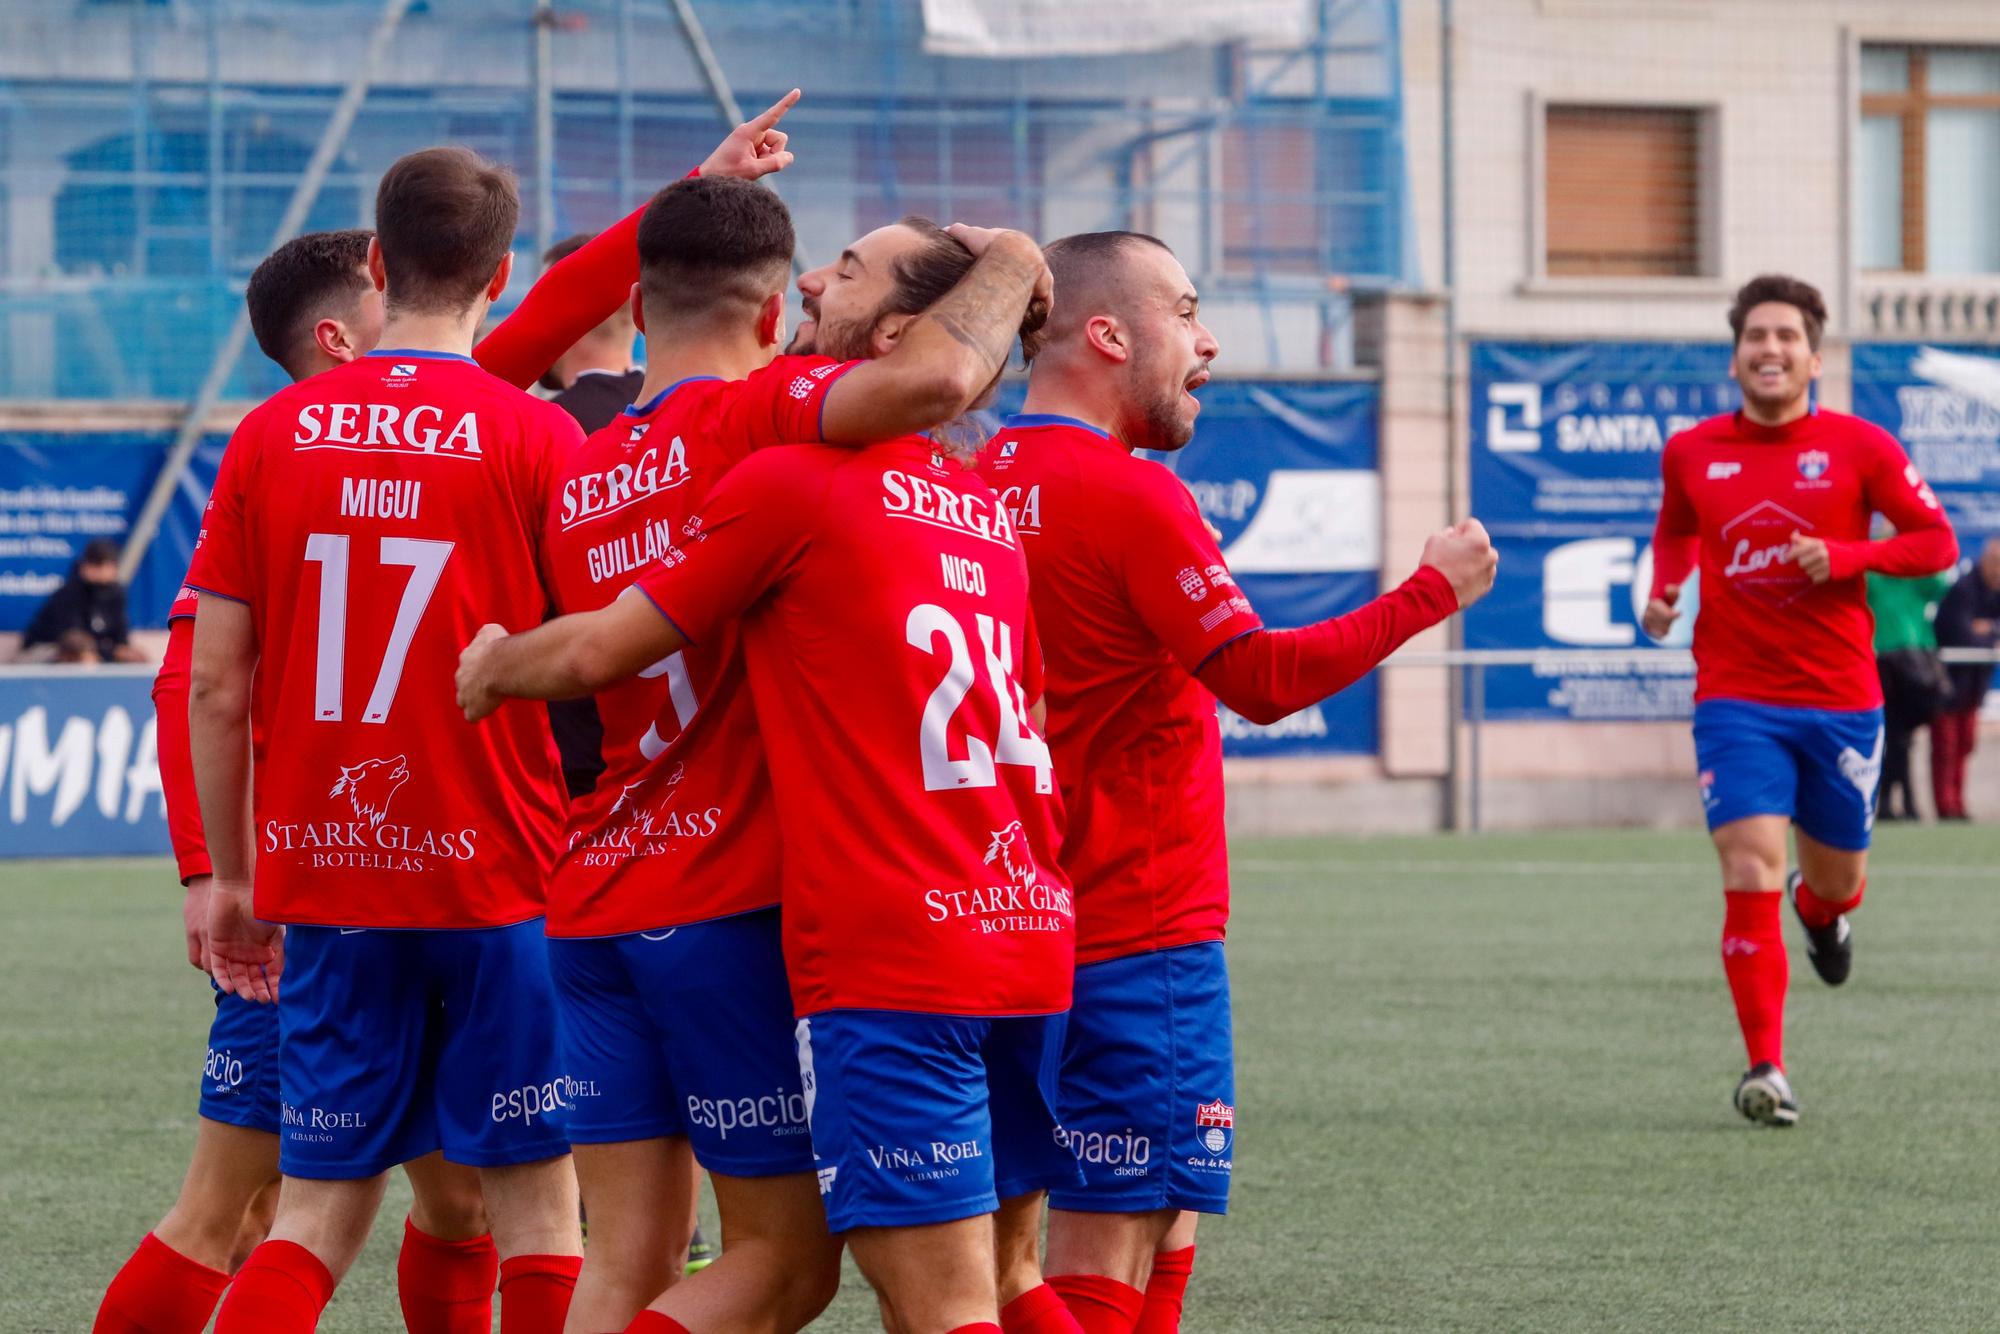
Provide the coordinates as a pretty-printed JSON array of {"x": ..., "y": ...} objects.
[
  {"x": 942, "y": 360},
  {"x": 1266, "y": 675},
  {"x": 563, "y": 658},
  {"x": 584, "y": 289}
]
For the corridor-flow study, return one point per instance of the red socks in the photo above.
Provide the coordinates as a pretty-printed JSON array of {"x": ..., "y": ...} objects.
[
  {"x": 281, "y": 1289},
  {"x": 1817, "y": 913},
  {"x": 160, "y": 1291},
  {"x": 1165, "y": 1291},
  {"x": 446, "y": 1287},
  {"x": 1038, "y": 1311},
  {"x": 1101, "y": 1305},
  {"x": 654, "y": 1322},
  {"x": 1753, "y": 956},
  {"x": 535, "y": 1292}
]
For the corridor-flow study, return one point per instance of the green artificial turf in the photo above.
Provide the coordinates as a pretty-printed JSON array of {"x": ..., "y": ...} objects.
[{"x": 1483, "y": 1085}]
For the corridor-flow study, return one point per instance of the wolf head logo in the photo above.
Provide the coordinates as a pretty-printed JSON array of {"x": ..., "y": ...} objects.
[
  {"x": 1008, "y": 845},
  {"x": 370, "y": 784}
]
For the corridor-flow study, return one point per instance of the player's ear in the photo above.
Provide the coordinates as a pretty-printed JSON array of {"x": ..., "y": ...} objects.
[
  {"x": 638, "y": 308},
  {"x": 501, "y": 276},
  {"x": 335, "y": 341},
  {"x": 1107, "y": 337},
  {"x": 771, "y": 320},
  {"x": 378, "y": 272},
  {"x": 888, "y": 330}
]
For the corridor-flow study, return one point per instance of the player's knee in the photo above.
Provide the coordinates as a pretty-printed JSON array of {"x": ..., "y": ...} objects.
[
  {"x": 804, "y": 1290},
  {"x": 451, "y": 1211},
  {"x": 1749, "y": 868}
]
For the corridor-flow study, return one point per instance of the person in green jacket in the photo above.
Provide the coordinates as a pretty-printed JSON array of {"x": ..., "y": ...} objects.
[{"x": 1914, "y": 685}]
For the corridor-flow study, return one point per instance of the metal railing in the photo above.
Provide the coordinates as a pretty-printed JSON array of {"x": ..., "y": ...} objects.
[{"x": 1474, "y": 663}]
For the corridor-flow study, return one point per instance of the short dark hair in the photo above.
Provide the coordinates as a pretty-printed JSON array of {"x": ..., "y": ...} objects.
[
  {"x": 564, "y": 248},
  {"x": 317, "y": 276},
  {"x": 712, "y": 242},
  {"x": 921, "y": 278},
  {"x": 1786, "y": 290},
  {"x": 1086, "y": 272},
  {"x": 445, "y": 218},
  {"x": 99, "y": 551}
]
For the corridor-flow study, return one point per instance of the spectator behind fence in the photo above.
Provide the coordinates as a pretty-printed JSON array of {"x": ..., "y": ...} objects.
[
  {"x": 84, "y": 620},
  {"x": 1969, "y": 617},
  {"x": 1914, "y": 686}
]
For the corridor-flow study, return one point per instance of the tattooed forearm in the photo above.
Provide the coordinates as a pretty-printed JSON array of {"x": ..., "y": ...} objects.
[{"x": 984, "y": 312}]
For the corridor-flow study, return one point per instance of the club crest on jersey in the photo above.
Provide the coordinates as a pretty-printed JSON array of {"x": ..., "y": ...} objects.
[
  {"x": 1006, "y": 844},
  {"x": 1813, "y": 464},
  {"x": 1192, "y": 584},
  {"x": 369, "y": 785},
  {"x": 1215, "y": 1125}
]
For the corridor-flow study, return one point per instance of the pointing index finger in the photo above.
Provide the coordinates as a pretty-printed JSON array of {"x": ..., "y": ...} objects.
[{"x": 774, "y": 113}]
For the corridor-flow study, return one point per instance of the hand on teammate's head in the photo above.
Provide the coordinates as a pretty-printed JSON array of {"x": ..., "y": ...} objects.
[{"x": 1464, "y": 554}]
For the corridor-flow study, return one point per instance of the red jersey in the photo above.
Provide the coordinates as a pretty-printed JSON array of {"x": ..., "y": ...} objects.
[
  {"x": 1132, "y": 595},
  {"x": 891, "y": 658},
  {"x": 680, "y": 827},
  {"x": 373, "y": 517},
  {"x": 170, "y": 711},
  {"x": 1737, "y": 491}
]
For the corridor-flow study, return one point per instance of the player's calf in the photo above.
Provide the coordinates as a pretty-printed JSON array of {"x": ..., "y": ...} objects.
[{"x": 934, "y": 1278}]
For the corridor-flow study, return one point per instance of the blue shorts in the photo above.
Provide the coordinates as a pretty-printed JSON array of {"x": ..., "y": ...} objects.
[
  {"x": 239, "y": 1076},
  {"x": 686, "y": 1032},
  {"x": 1148, "y": 1091},
  {"x": 929, "y": 1118},
  {"x": 396, "y": 1043},
  {"x": 1817, "y": 767}
]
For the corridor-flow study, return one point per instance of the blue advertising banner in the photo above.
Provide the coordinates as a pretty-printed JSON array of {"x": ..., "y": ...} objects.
[
  {"x": 1943, "y": 402},
  {"x": 1565, "y": 455},
  {"x": 1286, "y": 472},
  {"x": 60, "y": 489},
  {"x": 79, "y": 773}
]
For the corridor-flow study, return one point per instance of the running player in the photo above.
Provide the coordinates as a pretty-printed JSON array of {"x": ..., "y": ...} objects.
[
  {"x": 926, "y": 927},
  {"x": 1774, "y": 502},
  {"x": 1145, "y": 629},
  {"x": 313, "y": 307}
]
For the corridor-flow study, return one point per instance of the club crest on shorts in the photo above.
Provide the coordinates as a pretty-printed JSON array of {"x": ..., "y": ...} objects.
[
  {"x": 1215, "y": 1125},
  {"x": 369, "y": 785},
  {"x": 1813, "y": 464}
]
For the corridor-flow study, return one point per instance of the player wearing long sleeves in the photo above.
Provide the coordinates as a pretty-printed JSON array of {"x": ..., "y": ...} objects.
[
  {"x": 886, "y": 643},
  {"x": 1144, "y": 629},
  {"x": 1773, "y": 503},
  {"x": 313, "y": 307}
]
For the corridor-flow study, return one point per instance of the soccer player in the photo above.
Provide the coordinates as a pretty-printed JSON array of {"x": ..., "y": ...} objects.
[
  {"x": 360, "y": 519},
  {"x": 594, "y": 380},
  {"x": 664, "y": 902},
  {"x": 1144, "y": 630},
  {"x": 312, "y": 307},
  {"x": 891, "y": 659},
  {"x": 1774, "y": 501}
]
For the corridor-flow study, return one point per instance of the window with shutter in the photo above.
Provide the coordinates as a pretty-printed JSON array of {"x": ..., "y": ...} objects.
[{"x": 1622, "y": 191}]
